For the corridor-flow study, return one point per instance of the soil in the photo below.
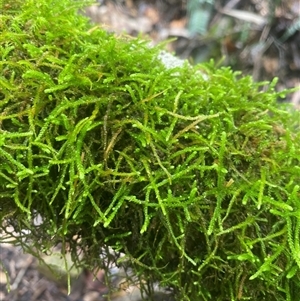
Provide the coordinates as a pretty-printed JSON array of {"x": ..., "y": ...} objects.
[
  {"x": 26, "y": 282},
  {"x": 24, "y": 278}
]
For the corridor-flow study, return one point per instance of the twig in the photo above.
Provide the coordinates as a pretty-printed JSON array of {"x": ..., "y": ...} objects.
[{"x": 20, "y": 276}]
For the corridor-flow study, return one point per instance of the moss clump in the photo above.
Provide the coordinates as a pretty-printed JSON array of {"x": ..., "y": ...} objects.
[{"x": 194, "y": 178}]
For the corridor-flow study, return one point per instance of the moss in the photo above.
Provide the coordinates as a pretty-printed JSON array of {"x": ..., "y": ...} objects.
[{"x": 191, "y": 172}]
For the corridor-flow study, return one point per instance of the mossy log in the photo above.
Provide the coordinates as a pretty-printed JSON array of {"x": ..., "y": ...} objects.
[{"x": 192, "y": 173}]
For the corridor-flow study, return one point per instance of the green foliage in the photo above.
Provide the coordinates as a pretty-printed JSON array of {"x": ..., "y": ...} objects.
[
  {"x": 192, "y": 173},
  {"x": 199, "y": 12}
]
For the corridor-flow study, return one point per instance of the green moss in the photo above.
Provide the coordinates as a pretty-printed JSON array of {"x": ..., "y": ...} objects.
[{"x": 195, "y": 178}]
